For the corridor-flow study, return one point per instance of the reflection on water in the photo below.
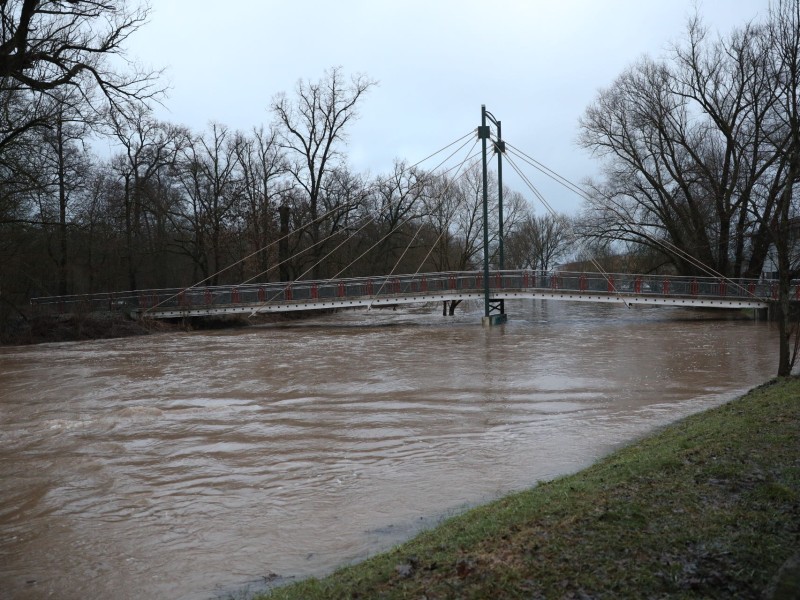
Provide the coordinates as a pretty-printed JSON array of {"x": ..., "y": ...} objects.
[{"x": 186, "y": 465}]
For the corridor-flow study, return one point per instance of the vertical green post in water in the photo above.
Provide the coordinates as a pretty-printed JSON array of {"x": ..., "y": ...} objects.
[{"x": 484, "y": 134}]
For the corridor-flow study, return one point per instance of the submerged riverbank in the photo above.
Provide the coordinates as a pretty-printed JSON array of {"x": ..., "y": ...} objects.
[
  {"x": 76, "y": 327},
  {"x": 707, "y": 508},
  {"x": 98, "y": 326}
]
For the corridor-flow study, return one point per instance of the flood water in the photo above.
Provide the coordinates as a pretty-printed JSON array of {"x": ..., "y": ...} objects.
[{"x": 194, "y": 465}]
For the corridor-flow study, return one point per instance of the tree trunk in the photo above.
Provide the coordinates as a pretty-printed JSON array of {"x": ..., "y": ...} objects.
[
  {"x": 785, "y": 355},
  {"x": 283, "y": 244},
  {"x": 783, "y": 247},
  {"x": 62, "y": 212},
  {"x": 129, "y": 238}
]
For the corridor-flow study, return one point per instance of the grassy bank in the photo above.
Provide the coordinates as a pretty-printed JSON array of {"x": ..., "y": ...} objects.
[{"x": 707, "y": 508}]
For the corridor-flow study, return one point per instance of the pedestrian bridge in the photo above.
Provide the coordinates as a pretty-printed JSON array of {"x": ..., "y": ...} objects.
[{"x": 251, "y": 299}]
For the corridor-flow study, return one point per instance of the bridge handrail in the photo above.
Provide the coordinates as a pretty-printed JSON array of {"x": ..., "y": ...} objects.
[{"x": 380, "y": 286}]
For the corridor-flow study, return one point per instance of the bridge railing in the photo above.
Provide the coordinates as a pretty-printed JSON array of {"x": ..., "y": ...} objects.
[
  {"x": 661, "y": 285},
  {"x": 422, "y": 285}
]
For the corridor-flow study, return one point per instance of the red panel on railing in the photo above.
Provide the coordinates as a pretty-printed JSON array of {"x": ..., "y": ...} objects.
[
  {"x": 235, "y": 296},
  {"x": 314, "y": 291},
  {"x": 396, "y": 286},
  {"x": 423, "y": 285},
  {"x": 694, "y": 287},
  {"x": 208, "y": 297},
  {"x": 287, "y": 292},
  {"x": 452, "y": 280},
  {"x": 723, "y": 288},
  {"x": 554, "y": 282},
  {"x": 262, "y": 294},
  {"x": 340, "y": 290},
  {"x": 583, "y": 283},
  {"x": 665, "y": 287},
  {"x": 637, "y": 285},
  {"x": 611, "y": 287}
]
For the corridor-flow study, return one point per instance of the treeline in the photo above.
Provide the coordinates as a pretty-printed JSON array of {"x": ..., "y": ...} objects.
[
  {"x": 172, "y": 207},
  {"x": 167, "y": 206},
  {"x": 702, "y": 149}
]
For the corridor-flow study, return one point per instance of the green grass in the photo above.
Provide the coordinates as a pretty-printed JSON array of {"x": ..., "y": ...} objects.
[{"x": 707, "y": 508}]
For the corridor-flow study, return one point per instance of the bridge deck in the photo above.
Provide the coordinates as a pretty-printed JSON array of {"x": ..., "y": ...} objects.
[{"x": 429, "y": 287}]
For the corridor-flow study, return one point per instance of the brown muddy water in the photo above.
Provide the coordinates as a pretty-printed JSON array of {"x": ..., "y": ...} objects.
[{"x": 200, "y": 465}]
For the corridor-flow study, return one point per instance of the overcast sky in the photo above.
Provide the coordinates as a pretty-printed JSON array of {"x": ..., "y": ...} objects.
[{"x": 536, "y": 64}]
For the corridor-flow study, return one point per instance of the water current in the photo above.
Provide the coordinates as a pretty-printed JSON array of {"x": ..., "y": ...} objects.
[{"x": 200, "y": 465}]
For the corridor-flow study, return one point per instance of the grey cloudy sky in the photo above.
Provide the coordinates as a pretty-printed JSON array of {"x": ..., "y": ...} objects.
[{"x": 536, "y": 65}]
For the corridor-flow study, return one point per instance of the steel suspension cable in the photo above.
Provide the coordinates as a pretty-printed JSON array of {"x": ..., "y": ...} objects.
[
  {"x": 360, "y": 256},
  {"x": 325, "y": 215},
  {"x": 416, "y": 233},
  {"x": 328, "y": 213},
  {"x": 372, "y": 219},
  {"x": 444, "y": 229},
  {"x": 396, "y": 227},
  {"x": 553, "y": 213},
  {"x": 561, "y": 180},
  {"x": 665, "y": 244},
  {"x": 302, "y": 227}
]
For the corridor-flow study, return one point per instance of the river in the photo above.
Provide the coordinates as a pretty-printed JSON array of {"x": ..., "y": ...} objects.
[{"x": 198, "y": 465}]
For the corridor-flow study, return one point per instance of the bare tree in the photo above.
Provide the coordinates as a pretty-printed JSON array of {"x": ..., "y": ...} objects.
[
  {"x": 68, "y": 158},
  {"x": 313, "y": 127},
  {"x": 54, "y": 56},
  {"x": 454, "y": 211},
  {"x": 209, "y": 173},
  {"x": 516, "y": 209},
  {"x": 96, "y": 216},
  {"x": 441, "y": 207},
  {"x": 149, "y": 147},
  {"x": 683, "y": 141},
  {"x": 262, "y": 166},
  {"x": 47, "y": 44},
  {"x": 784, "y": 45},
  {"x": 400, "y": 201},
  {"x": 467, "y": 222},
  {"x": 540, "y": 241},
  {"x": 344, "y": 199}
]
